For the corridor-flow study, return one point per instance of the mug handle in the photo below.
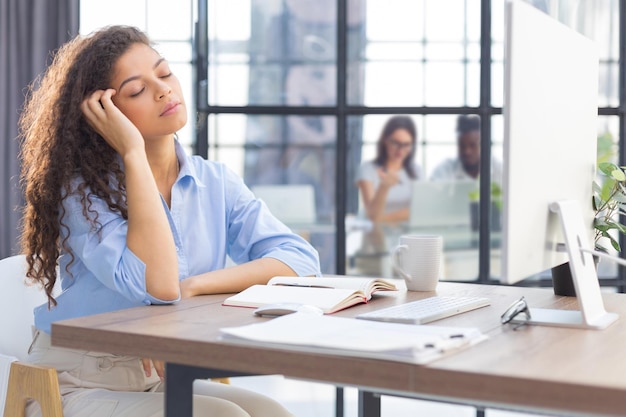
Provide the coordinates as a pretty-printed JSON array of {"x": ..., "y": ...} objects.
[{"x": 395, "y": 261}]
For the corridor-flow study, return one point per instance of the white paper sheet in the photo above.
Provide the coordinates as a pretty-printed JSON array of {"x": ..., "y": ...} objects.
[{"x": 352, "y": 337}]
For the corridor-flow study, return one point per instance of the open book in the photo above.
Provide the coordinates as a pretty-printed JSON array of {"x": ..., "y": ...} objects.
[
  {"x": 331, "y": 294},
  {"x": 306, "y": 332}
]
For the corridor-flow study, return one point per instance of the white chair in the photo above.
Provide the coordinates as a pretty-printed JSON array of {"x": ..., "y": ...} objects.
[{"x": 20, "y": 381}]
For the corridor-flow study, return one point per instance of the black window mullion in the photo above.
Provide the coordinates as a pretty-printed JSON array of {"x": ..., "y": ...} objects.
[
  {"x": 342, "y": 146},
  {"x": 621, "y": 271},
  {"x": 484, "y": 241},
  {"x": 200, "y": 80}
]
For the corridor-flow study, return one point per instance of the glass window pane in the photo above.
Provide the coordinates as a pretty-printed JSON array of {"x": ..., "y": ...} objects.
[
  {"x": 444, "y": 84},
  {"x": 159, "y": 18},
  {"x": 229, "y": 20},
  {"x": 285, "y": 53},
  {"x": 95, "y": 14},
  {"x": 280, "y": 150},
  {"x": 380, "y": 51},
  {"x": 437, "y": 51},
  {"x": 401, "y": 38},
  {"x": 472, "y": 19},
  {"x": 229, "y": 85},
  {"x": 398, "y": 20},
  {"x": 393, "y": 84},
  {"x": 445, "y": 20},
  {"x": 609, "y": 85},
  {"x": 175, "y": 51},
  {"x": 497, "y": 84}
]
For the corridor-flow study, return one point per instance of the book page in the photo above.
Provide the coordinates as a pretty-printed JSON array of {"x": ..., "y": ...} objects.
[
  {"x": 367, "y": 285},
  {"x": 328, "y": 299}
]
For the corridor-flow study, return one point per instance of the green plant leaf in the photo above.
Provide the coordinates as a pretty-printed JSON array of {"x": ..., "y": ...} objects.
[
  {"x": 615, "y": 245},
  {"x": 607, "y": 189},
  {"x": 618, "y": 174},
  {"x": 607, "y": 167},
  {"x": 602, "y": 226},
  {"x": 620, "y": 227}
]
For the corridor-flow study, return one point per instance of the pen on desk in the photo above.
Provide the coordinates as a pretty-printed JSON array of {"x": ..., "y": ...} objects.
[{"x": 287, "y": 284}]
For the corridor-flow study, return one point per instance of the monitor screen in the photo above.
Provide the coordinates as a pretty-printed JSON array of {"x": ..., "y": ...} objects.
[{"x": 550, "y": 122}]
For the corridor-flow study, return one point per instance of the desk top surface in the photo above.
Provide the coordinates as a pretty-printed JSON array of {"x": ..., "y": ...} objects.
[{"x": 531, "y": 368}]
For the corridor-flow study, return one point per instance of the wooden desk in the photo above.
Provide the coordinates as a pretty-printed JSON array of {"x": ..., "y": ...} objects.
[{"x": 577, "y": 372}]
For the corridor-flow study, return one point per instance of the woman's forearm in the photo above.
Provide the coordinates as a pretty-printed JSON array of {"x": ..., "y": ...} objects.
[
  {"x": 149, "y": 235},
  {"x": 236, "y": 278}
]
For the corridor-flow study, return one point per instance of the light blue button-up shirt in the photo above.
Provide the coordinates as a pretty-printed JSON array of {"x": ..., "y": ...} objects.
[{"x": 213, "y": 215}]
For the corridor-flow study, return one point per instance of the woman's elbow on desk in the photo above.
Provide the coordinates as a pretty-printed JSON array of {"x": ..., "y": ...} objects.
[
  {"x": 164, "y": 290},
  {"x": 166, "y": 295}
]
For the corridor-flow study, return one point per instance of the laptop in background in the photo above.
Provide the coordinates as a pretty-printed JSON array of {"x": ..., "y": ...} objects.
[
  {"x": 290, "y": 203},
  {"x": 441, "y": 204}
]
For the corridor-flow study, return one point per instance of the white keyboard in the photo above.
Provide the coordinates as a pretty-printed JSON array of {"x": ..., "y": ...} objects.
[{"x": 426, "y": 310}]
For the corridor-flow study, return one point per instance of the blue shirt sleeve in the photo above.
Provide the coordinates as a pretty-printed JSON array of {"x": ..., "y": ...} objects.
[
  {"x": 102, "y": 249},
  {"x": 253, "y": 232}
]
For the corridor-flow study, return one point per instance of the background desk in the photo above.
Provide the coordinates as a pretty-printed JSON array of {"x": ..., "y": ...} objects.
[
  {"x": 369, "y": 251},
  {"x": 578, "y": 372}
]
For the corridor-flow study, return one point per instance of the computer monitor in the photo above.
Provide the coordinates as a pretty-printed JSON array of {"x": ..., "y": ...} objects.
[
  {"x": 293, "y": 204},
  {"x": 550, "y": 119},
  {"x": 441, "y": 204}
]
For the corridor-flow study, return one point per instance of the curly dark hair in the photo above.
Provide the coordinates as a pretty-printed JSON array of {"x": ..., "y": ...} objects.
[
  {"x": 393, "y": 124},
  {"x": 58, "y": 146}
]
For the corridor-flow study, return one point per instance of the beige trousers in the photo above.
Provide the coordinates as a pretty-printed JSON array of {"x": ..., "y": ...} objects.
[{"x": 95, "y": 384}]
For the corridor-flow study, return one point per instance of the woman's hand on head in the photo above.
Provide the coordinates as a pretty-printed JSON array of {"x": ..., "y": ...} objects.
[{"x": 106, "y": 119}]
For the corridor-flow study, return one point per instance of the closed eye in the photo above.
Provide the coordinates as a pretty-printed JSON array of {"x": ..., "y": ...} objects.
[
  {"x": 166, "y": 75},
  {"x": 138, "y": 92}
]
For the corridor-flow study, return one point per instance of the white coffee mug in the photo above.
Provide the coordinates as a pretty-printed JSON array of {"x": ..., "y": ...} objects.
[{"x": 417, "y": 259}]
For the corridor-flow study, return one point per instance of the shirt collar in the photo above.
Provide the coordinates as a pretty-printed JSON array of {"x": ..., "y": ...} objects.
[{"x": 187, "y": 169}]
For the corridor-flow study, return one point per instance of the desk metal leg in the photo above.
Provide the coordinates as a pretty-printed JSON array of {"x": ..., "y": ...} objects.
[
  {"x": 369, "y": 404},
  {"x": 179, "y": 390},
  {"x": 339, "y": 402},
  {"x": 179, "y": 387}
]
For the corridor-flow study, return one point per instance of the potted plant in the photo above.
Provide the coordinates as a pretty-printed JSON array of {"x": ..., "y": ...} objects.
[
  {"x": 609, "y": 195},
  {"x": 496, "y": 207},
  {"x": 609, "y": 202}
]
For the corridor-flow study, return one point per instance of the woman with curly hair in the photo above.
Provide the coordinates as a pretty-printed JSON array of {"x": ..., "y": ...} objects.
[{"x": 129, "y": 219}]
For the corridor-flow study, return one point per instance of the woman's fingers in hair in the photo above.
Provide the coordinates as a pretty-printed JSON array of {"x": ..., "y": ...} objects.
[
  {"x": 109, "y": 122},
  {"x": 97, "y": 102},
  {"x": 94, "y": 111}
]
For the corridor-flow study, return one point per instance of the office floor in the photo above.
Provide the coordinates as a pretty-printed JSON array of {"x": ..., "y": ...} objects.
[{"x": 308, "y": 399}]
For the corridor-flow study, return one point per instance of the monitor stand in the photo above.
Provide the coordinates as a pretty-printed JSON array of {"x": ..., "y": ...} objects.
[{"x": 592, "y": 314}]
